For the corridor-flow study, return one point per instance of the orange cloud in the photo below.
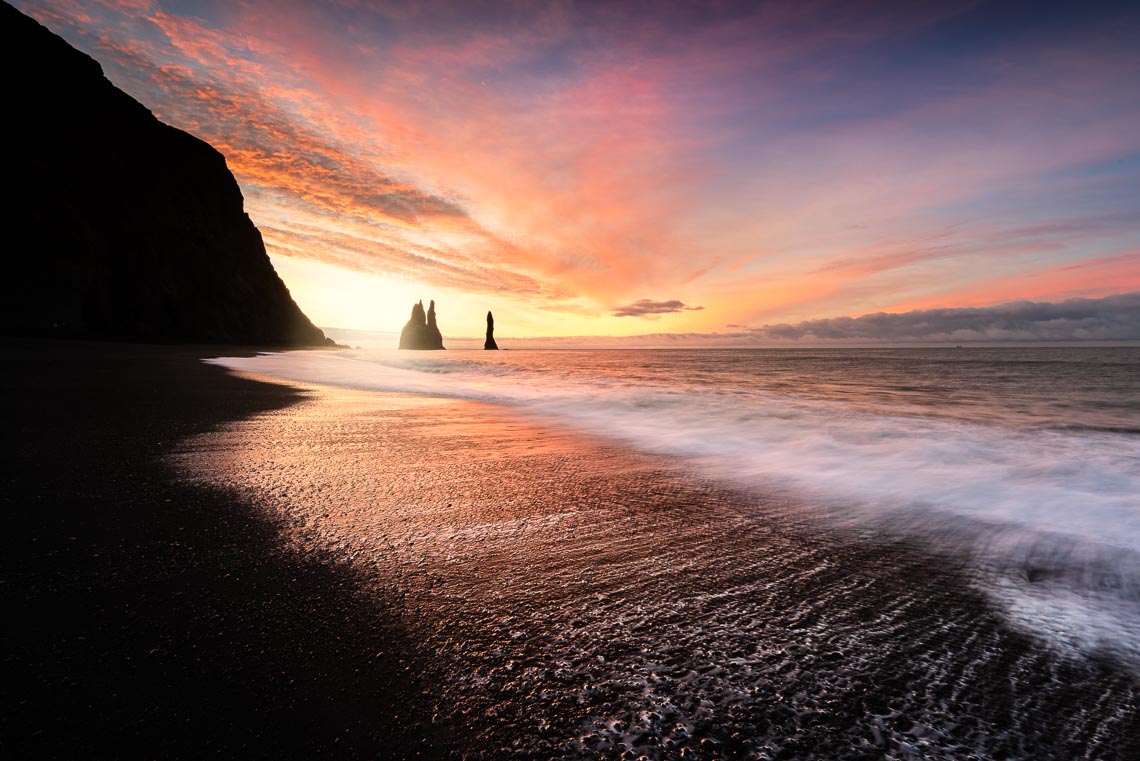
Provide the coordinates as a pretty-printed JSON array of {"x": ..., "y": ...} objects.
[{"x": 1092, "y": 278}]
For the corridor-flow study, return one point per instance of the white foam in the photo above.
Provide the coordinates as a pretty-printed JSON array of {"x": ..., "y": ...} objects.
[{"x": 1034, "y": 486}]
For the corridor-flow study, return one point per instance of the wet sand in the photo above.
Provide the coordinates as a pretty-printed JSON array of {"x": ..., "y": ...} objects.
[
  {"x": 571, "y": 598},
  {"x": 226, "y": 566}
]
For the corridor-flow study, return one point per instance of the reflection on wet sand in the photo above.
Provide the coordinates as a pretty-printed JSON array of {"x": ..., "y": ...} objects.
[{"x": 573, "y": 599}]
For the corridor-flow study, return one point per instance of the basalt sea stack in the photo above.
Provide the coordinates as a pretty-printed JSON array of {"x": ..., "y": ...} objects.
[
  {"x": 120, "y": 226},
  {"x": 490, "y": 344},
  {"x": 420, "y": 331}
]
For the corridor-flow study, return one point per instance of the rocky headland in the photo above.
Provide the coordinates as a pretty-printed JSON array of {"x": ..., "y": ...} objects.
[{"x": 122, "y": 227}]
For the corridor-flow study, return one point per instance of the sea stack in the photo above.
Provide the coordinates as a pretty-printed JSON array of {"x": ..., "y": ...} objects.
[
  {"x": 490, "y": 344},
  {"x": 119, "y": 226},
  {"x": 421, "y": 332}
]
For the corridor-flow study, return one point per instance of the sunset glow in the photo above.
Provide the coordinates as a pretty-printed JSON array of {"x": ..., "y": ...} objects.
[
  {"x": 572, "y": 379},
  {"x": 560, "y": 164}
]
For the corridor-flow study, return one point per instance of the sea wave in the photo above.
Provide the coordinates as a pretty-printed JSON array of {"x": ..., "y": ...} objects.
[{"x": 1051, "y": 518}]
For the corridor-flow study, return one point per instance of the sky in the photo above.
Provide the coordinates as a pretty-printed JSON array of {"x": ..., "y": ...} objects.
[{"x": 762, "y": 172}]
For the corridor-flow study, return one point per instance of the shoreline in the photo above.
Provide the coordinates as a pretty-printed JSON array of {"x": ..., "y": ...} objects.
[
  {"x": 448, "y": 578},
  {"x": 572, "y": 597},
  {"x": 152, "y": 617}
]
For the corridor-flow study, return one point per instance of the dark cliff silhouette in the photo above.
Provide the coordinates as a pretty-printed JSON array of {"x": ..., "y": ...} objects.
[
  {"x": 490, "y": 344},
  {"x": 120, "y": 226},
  {"x": 421, "y": 331}
]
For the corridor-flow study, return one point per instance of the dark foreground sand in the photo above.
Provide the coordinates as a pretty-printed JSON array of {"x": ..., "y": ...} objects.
[
  {"x": 199, "y": 564},
  {"x": 150, "y": 618}
]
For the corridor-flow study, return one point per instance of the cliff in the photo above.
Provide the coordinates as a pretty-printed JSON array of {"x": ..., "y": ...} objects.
[
  {"x": 421, "y": 331},
  {"x": 116, "y": 225}
]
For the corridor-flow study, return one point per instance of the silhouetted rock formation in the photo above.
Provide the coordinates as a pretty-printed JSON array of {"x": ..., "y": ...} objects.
[
  {"x": 490, "y": 342},
  {"x": 420, "y": 331},
  {"x": 121, "y": 226}
]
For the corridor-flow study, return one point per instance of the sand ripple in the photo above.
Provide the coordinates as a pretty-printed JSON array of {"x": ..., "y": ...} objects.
[{"x": 574, "y": 600}]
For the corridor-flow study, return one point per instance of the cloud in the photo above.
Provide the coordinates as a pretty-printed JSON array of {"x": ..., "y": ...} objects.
[
  {"x": 1114, "y": 318},
  {"x": 1090, "y": 278},
  {"x": 354, "y": 249},
  {"x": 648, "y": 307},
  {"x": 314, "y": 185}
]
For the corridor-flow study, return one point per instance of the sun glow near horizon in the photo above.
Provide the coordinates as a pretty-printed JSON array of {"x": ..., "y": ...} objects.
[{"x": 338, "y": 297}]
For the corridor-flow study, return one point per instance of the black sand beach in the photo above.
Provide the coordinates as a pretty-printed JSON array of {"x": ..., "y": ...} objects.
[
  {"x": 711, "y": 550},
  {"x": 200, "y": 564},
  {"x": 147, "y": 618}
]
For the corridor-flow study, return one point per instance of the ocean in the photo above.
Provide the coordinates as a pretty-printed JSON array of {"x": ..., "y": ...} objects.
[{"x": 1010, "y": 474}]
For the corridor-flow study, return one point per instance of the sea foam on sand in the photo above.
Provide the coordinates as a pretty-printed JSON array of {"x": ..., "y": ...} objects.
[
  {"x": 1051, "y": 518},
  {"x": 572, "y": 597}
]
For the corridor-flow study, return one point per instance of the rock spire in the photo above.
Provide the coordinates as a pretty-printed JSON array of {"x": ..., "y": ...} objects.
[
  {"x": 421, "y": 331},
  {"x": 490, "y": 344}
]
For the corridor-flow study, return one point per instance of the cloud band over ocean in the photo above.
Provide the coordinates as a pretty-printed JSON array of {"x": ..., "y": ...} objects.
[{"x": 1114, "y": 318}]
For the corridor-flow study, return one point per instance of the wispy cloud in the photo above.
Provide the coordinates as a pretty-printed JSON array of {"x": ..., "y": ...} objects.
[{"x": 650, "y": 308}]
